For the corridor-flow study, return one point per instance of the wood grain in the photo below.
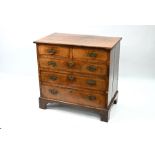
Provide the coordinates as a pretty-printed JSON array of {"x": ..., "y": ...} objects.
[
  {"x": 113, "y": 72},
  {"x": 79, "y": 66},
  {"x": 79, "y": 70},
  {"x": 74, "y": 80},
  {"x": 85, "y": 53},
  {"x": 80, "y": 40},
  {"x": 59, "y": 51},
  {"x": 73, "y": 96}
]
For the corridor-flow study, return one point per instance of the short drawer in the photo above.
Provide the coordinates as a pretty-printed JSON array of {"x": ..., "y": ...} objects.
[
  {"x": 74, "y": 80},
  {"x": 53, "y": 50},
  {"x": 73, "y": 96},
  {"x": 73, "y": 66},
  {"x": 90, "y": 54}
]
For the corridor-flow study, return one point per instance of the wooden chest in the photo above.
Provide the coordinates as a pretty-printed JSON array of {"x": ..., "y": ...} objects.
[{"x": 79, "y": 70}]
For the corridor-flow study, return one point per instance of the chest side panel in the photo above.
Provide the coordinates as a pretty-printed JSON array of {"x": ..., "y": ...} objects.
[{"x": 113, "y": 72}]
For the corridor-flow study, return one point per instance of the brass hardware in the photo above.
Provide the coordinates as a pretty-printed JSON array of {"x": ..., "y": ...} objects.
[
  {"x": 92, "y": 54},
  {"x": 91, "y": 97},
  {"x": 91, "y": 82},
  {"x": 53, "y": 91},
  {"x": 52, "y": 51},
  {"x": 71, "y": 77},
  {"x": 53, "y": 77},
  {"x": 91, "y": 68},
  {"x": 52, "y": 63},
  {"x": 71, "y": 64}
]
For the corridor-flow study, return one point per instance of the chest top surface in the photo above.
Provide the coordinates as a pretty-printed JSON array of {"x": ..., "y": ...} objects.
[{"x": 80, "y": 40}]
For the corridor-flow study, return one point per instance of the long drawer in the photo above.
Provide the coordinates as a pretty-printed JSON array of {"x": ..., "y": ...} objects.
[
  {"x": 72, "y": 96},
  {"x": 74, "y": 80},
  {"x": 73, "y": 66}
]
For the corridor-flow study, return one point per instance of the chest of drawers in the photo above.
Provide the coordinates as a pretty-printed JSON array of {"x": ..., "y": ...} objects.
[{"x": 79, "y": 70}]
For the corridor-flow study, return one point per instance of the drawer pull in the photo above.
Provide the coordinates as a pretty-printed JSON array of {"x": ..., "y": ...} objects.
[
  {"x": 71, "y": 64},
  {"x": 52, "y": 63},
  {"x": 53, "y": 91},
  {"x": 91, "y": 68},
  {"x": 52, "y": 51},
  {"x": 92, "y": 54},
  {"x": 91, "y": 82},
  {"x": 91, "y": 97},
  {"x": 71, "y": 77},
  {"x": 53, "y": 77}
]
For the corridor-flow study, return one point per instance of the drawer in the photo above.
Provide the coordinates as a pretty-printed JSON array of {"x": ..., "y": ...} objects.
[
  {"x": 74, "y": 80},
  {"x": 53, "y": 50},
  {"x": 72, "y": 96},
  {"x": 90, "y": 54},
  {"x": 73, "y": 66}
]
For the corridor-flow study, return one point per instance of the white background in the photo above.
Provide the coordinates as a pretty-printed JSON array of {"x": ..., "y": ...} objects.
[{"x": 26, "y": 129}]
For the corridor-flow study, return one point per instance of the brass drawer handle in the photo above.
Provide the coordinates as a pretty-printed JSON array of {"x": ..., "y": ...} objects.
[
  {"x": 92, "y": 54},
  {"x": 91, "y": 97},
  {"x": 91, "y": 68},
  {"x": 53, "y": 91},
  {"x": 51, "y": 51},
  {"x": 91, "y": 82},
  {"x": 71, "y": 77},
  {"x": 53, "y": 77},
  {"x": 71, "y": 64},
  {"x": 52, "y": 63}
]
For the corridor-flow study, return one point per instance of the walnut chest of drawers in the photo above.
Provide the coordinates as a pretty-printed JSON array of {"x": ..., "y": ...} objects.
[{"x": 79, "y": 70}]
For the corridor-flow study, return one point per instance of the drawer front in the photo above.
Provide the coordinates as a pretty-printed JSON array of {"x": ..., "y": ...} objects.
[
  {"x": 90, "y": 54},
  {"x": 73, "y": 66},
  {"x": 74, "y": 80},
  {"x": 74, "y": 96},
  {"x": 53, "y": 51}
]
